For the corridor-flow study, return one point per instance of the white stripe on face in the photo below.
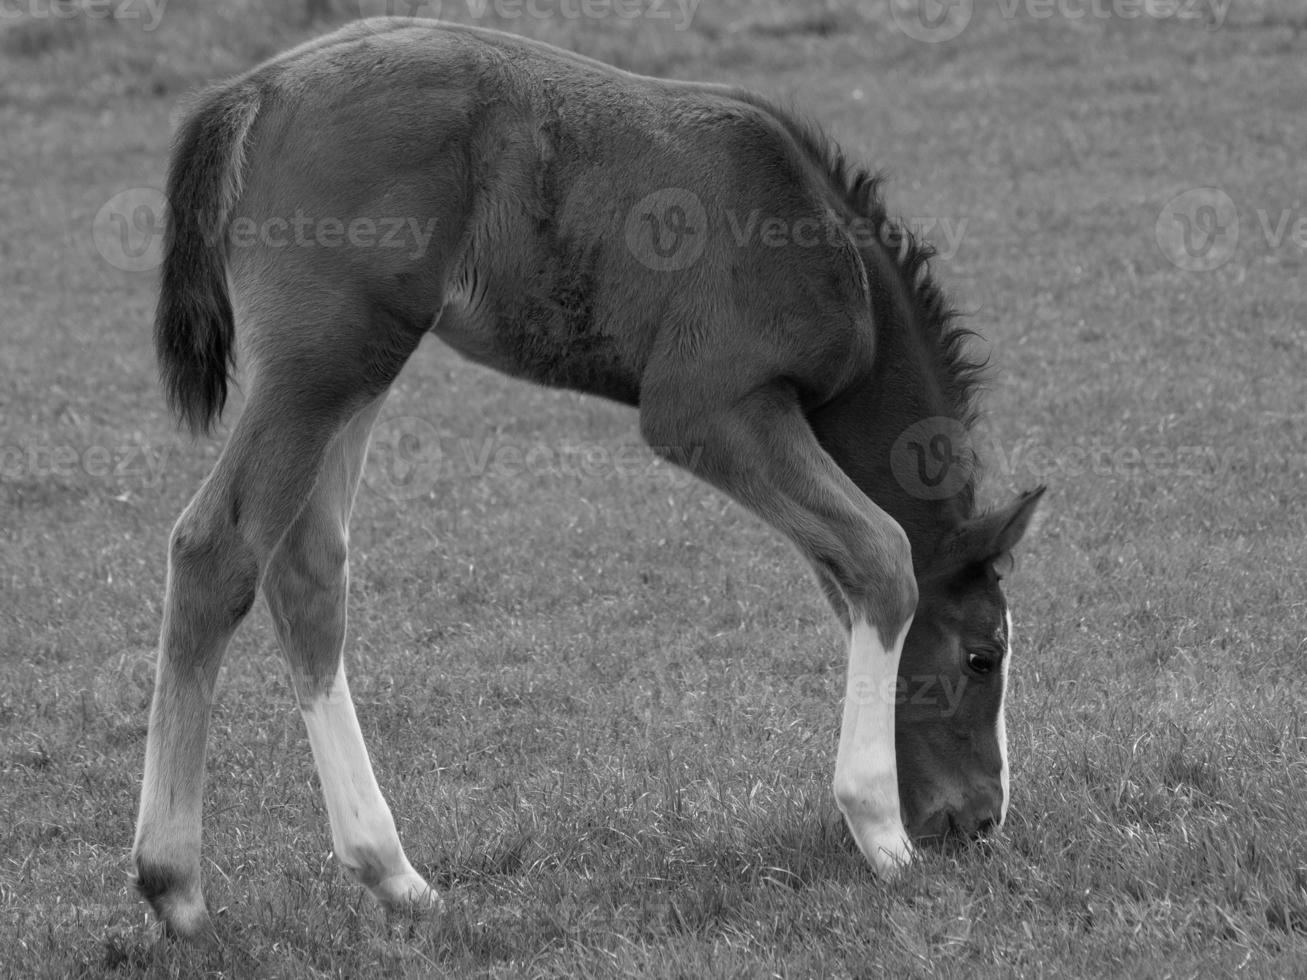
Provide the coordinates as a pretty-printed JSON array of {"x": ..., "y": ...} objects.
[
  {"x": 1004, "y": 777},
  {"x": 866, "y": 769}
]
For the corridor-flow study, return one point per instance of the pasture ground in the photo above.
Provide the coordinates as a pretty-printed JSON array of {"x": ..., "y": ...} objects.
[{"x": 603, "y": 700}]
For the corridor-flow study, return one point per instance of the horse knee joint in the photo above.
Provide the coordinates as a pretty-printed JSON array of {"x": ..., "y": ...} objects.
[
  {"x": 214, "y": 562},
  {"x": 885, "y": 593}
]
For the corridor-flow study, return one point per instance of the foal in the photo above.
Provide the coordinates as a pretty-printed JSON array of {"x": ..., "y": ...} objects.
[{"x": 690, "y": 250}]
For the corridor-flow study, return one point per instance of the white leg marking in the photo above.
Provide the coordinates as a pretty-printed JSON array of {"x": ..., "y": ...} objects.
[
  {"x": 1004, "y": 776},
  {"x": 866, "y": 768},
  {"x": 362, "y": 828}
]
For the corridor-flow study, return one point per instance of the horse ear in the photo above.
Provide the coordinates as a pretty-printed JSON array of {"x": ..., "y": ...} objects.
[{"x": 991, "y": 538}]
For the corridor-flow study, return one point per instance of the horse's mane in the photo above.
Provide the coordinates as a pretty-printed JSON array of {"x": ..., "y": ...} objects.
[{"x": 962, "y": 375}]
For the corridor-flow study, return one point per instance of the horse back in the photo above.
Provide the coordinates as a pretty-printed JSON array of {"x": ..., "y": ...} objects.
[{"x": 556, "y": 218}]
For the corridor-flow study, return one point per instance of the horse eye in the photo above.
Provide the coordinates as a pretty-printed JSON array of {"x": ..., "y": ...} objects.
[{"x": 981, "y": 663}]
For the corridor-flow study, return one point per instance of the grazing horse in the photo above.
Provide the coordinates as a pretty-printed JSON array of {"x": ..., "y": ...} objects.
[{"x": 690, "y": 250}]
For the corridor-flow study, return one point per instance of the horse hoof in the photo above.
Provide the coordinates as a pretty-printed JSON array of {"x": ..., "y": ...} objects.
[
  {"x": 886, "y": 847},
  {"x": 177, "y": 902},
  {"x": 891, "y": 856},
  {"x": 186, "y": 921},
  {"x": 409, "y": 893}
]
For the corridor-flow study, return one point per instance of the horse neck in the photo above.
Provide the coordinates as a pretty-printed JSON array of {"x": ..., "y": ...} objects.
[{"x": 861, "y": 430}]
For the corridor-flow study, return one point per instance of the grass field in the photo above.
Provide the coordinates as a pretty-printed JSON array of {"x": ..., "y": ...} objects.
[{"x": 602, "y": 700}]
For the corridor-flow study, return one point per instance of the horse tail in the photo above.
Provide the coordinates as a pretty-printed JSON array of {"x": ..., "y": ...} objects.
[{"x": 194, "y": 332}]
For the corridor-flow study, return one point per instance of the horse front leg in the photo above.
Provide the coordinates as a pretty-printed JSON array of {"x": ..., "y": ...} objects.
[
  {"x": 760, "y": 449},
  {"x": 866, "y": 766}
]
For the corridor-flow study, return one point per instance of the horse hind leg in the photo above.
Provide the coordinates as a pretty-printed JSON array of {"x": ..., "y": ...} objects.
[
  {"x": 216, "y": 554},
  {"x": 212, "y": 576},
  {"x": 222, "y": 544},
  {"x": 306, "y": 587}
]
